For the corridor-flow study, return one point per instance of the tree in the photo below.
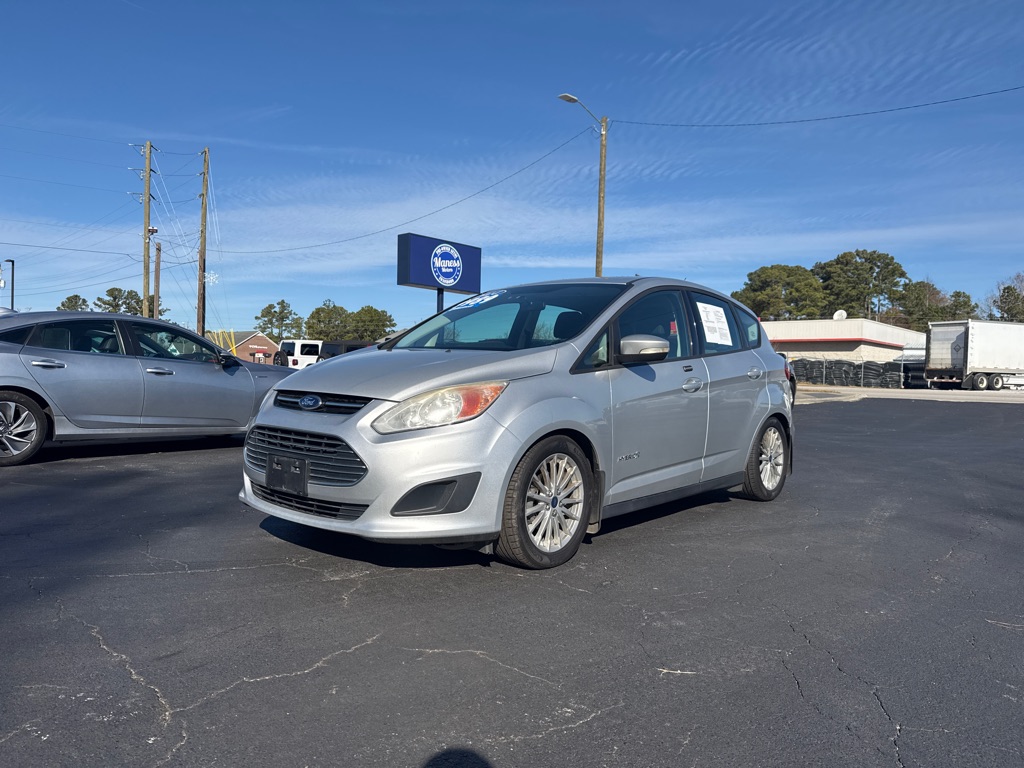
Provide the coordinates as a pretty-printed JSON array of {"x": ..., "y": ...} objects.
[
  {"x": 328, "y": 321},
  {"x": 1007, "y": 303},
  {"x": 370, "y": 323},
  {"x": 119, "y": 300},
  {"x": 278, "y": 321},
  {"x": 782, "y": 292},
  {"x": 861, "y": 282},
  {"x": 960, "y": 306},
  {"x": 920, "y": 303},
  {"x": 74, "y": 303}
]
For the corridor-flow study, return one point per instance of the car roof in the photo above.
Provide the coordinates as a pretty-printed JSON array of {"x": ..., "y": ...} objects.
[{"x": 30, "y": 318}]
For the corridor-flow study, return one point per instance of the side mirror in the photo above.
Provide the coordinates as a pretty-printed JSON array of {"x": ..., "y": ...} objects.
[
  {"x": 229, "y": 361},
  {"x": 642, "y": 348}
]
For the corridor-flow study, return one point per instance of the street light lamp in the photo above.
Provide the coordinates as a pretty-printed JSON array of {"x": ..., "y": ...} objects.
[
  {"x": 12, "y": 281},
  {"x": 603, "y": 122}
]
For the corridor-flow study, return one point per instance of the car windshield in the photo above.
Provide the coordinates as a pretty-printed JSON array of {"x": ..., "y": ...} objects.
[{"x": 514, "y": 318}]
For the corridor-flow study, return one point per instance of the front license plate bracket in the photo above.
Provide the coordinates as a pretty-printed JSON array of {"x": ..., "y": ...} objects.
[{"x": 287, "y": 474}]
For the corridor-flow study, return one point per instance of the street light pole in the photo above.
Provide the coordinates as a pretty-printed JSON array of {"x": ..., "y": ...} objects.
[
  {"x": 11, "y": 261},
  {"x": 603, "y": 122}
]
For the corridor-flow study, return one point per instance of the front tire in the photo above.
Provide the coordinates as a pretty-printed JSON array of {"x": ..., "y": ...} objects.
[
  {"x": 22, "y": 428},
  {"x": 547, "y": 505},
  {"x": 768, "y": 463},
  {"x": 981, "y": 381}
]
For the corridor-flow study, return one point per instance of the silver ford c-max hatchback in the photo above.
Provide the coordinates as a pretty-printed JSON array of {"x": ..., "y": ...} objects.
[{"x": 519, "y": 419}]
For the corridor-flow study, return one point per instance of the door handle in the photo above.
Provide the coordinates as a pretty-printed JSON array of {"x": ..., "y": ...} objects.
[
  {"x": 160, "y": 371},
  {"x": 48, "y": 363},
  {"x": 692, "y": 384},
  {"x": 755, "y": 373}
]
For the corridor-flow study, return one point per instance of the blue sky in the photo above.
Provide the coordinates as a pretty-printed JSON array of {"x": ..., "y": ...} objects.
[{"x": 349, "y": 123}]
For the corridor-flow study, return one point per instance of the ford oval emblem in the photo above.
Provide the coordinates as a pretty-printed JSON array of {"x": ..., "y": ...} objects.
[{"x": 310, "y": 402}]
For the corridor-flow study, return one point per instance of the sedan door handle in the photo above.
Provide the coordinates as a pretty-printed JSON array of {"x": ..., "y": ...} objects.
[
  {"x": 160, "y": 371},
  {"x": 49, "y": 363},
  {"x": 692, "y": 384},
  {"x": 755, "y": 373}
]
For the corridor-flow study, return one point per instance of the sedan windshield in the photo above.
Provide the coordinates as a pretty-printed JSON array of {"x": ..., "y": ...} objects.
[{"x": 514, "y": 318}]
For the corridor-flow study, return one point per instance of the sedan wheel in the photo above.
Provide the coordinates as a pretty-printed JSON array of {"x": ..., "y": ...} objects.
[
  {"x": 547, "y": 505},
  {"x": 22, "y": 428},
  {"x": 768, "y": 463}
]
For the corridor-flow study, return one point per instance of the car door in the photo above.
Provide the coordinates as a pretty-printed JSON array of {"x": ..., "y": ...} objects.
[
  {"x": 185, "y": 383},
  {"x": 660, "y": 409},
  {"x": 737, "y": 386},
  {"x": 82, "y": 369}
]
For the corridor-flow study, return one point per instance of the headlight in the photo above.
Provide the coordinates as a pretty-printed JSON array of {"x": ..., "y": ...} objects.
[{"x": 440, "y": 407}]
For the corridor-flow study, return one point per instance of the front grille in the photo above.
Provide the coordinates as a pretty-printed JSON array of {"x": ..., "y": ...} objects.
[
  {"x": 331, "y": 460},
  {"x": 319, "y": 507},
  {"x": 343, "y": 404}
]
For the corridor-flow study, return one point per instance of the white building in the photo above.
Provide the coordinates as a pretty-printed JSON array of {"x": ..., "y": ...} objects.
[{"x": 854, "y": 339}]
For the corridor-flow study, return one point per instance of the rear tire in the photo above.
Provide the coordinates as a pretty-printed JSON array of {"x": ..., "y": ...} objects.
[
  {"x": 768, "y": 463},
  {"x": 22, "y": 428},
  {"x": 547, "y": 505},
  {"x": 981, "y": 381},
  {"x": 996, "y": 382}
]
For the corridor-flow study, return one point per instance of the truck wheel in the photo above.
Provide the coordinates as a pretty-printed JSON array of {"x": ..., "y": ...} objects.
[
  {"x": 981, "y": 381},
  {"x": 767, "y": 465},
  {"x": 996, "y": 382},
  {"x": 22, "y": 428},
  {"x": 547, "y": 505}
]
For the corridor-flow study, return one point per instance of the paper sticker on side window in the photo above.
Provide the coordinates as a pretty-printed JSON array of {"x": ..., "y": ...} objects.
[{"x": 716, "y": 327}]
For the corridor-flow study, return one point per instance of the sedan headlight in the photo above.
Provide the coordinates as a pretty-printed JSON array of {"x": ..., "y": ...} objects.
[{"x": 440, "y": 407}]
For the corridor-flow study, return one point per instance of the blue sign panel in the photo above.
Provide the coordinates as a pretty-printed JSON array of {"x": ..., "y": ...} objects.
[{"x": 426, "y": 262}]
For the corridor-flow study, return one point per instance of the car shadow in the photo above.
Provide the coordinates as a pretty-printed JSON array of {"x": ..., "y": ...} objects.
[
  {"x": 53, "y": 452},
  {"x": 426, "y": 556},
  {"x": 389, "y": 555},
  {"x": 697, "y": 503}
]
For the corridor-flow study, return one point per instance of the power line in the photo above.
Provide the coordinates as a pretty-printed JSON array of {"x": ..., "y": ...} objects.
[
  {"x": 822, "y": 119},
  {"x": 63, "y": 248},
  {"x": 58, "y": 133},
  {"x": 588, "y": 129},
  {"x": 64, "y": 184}
]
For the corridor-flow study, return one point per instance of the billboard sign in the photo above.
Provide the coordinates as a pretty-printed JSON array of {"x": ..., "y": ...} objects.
[{"x": 426, "y": 262}]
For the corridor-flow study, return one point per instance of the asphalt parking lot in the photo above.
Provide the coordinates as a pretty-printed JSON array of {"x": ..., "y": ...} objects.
[{"x": 872, "y": 616}]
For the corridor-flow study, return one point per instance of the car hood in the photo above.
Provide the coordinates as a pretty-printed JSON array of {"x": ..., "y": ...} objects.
[{"x": 400, "y": 373}]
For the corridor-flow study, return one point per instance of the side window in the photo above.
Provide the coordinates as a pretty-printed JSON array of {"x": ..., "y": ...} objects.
[
  {"x": 311, "y": 350},
  {"x": 596, "y": 355},
  {"x": 749, "y": 328},
  {"x": 658, "y": 314},
  {"x": 160, "y": 341},
  {"x": 94, "y": 336},
  {"x": 716, "y": 324},
  {"x": 16, "y": 335}
]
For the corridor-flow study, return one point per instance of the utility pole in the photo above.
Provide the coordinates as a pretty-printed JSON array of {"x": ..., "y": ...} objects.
[
  {"x": 148, "y": 152},
  {"x": 156, "y": 284},
  {"x": 201, "y": 298}
]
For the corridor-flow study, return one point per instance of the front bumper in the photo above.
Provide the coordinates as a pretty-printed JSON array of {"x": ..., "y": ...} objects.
[{"x": 441, "y": 485}]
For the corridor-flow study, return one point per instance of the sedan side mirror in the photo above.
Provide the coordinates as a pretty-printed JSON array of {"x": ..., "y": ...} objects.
[
  {"x": 229, "y": 361},
  {"x": 642, "y": 348}
]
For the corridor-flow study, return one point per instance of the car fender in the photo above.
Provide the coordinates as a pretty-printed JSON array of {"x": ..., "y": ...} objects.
[{"x": 559, "y": 415}]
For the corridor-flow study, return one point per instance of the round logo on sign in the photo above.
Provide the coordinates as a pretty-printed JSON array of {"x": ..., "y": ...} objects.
[{"x": 446, "y": 264}]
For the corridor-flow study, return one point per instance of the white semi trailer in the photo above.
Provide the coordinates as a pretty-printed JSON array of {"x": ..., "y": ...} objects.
[{"x": 978, "y": 354}]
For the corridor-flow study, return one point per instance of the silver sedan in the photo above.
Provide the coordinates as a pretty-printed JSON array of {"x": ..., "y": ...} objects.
[
  {"x": 519, "y": 419},
  {"x": 74, "y": 376}
]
